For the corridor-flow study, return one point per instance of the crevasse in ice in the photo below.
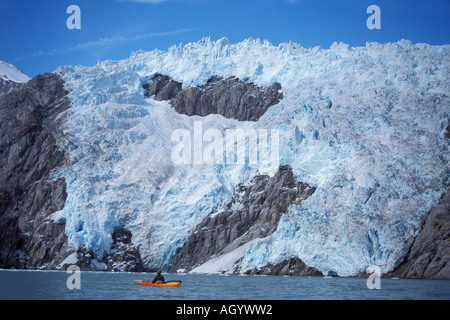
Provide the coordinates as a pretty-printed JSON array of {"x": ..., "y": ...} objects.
[{"x": 366, "y": 126}]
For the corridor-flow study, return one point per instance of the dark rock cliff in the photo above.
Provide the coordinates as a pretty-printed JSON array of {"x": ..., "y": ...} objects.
[
  {"x": 429, "y": 255},
  {"x": 29, "y": 122},
  {"x": 229, "y": 97}
]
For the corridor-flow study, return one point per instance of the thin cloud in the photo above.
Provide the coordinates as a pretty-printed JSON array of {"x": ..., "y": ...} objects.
[
  {"x": 103, "y": 42},
  {"x": 147, "y": 1},
  {"x": 159, "y": 1},
  {"x": 144, "y": 1}
]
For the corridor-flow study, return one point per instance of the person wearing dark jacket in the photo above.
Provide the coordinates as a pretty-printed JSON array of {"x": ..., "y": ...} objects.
[{"x": 158, "y": 277}]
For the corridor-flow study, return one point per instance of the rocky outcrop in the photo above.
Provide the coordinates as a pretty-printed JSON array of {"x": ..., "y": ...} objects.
[
  {"x": 253, "y": 213},
  {"x": 290, "y": 267},
  {"x": 229, "y": 97},
  {"x": 162, "y": 88},
  {"x": 29, "y": 122},
  {"x": 123, "y": 256},
  {"x": 7, "y": 86},
  {"x": 429, "y": 255}
]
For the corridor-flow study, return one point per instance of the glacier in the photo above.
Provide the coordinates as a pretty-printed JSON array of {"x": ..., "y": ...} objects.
[{"x": 366, "y": 126}]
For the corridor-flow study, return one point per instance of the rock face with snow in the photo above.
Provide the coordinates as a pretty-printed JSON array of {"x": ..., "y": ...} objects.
[
  {"x": 10, "y": 73},
  {"x": 11, "y": 79},
  {"x": 291, "y": 267},
  {"x": 366, "y": 128},
  {"x": 253, "y": 213},
  {"x": 162, "y": 88},
  {"x": 229, "y": 97},
  {"x": 123, "y": 255}
]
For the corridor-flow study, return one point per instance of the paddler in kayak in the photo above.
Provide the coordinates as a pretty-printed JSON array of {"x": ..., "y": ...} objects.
[{"x": 158, "y": 277}]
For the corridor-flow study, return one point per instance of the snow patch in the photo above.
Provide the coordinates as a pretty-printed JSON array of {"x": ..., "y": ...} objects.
[
  {"x": 70, "y": 260},
  {"x": 10, "y": 73},
  {"x": 225, "y": 263}
]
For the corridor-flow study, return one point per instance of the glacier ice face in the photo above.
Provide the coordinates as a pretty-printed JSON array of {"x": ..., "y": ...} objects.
[
  {"x": 122, "y": 175},
  {"x": 365, "y": 126}
]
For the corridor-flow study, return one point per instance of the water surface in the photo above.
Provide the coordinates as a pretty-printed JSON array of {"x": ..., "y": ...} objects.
[{"x": 52, "y": 285}]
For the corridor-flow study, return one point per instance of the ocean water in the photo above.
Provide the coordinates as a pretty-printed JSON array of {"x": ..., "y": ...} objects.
[{"x": 52, "y": 285}]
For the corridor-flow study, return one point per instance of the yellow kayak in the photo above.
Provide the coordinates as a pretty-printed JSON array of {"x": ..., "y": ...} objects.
[{"x": 158, "y": 283}]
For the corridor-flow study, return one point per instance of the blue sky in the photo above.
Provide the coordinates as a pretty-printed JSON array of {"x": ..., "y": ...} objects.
[{"x": 35, "y": 38}]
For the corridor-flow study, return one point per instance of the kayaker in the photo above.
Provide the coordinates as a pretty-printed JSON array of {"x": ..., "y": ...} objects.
[{"x": 158, "y": 277}]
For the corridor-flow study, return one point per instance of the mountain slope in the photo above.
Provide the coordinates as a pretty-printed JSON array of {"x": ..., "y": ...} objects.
[{"x": 10, "y": 73}]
